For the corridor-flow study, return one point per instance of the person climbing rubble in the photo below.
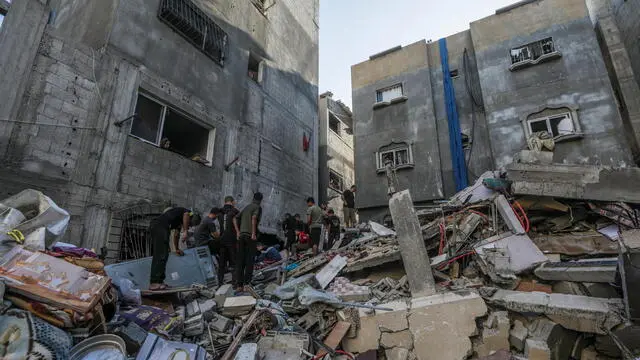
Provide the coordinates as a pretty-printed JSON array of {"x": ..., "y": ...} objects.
[{"x": 247, "y": 237}]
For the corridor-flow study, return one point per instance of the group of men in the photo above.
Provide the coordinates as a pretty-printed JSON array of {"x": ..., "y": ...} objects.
[{"x": 232, "y": 235}]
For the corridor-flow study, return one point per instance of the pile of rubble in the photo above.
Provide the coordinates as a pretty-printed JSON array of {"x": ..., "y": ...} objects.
[{"x": 500, "y": 271}]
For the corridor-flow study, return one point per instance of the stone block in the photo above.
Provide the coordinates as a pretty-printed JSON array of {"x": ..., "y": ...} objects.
[
  {"x": 240, "y": 305},
  {"x": 495, "y": 334},
  {"x": 402, "y": 339},
  {"x": 558, "y": 340},
  {"x": 448, "y": 318},
  {"x": 537, "y": 350},
  {"x": 395, "y": 320},
  {"x": 397, "y": 354},
  {"x": 602, "y": 271},
  {"x": 220, "y": 323},
  {"x": 224, "y": 291},
  {"x": 367, "y": 339},
  {"x": 518, "y": 335},
  {"x": 535, "y": 157}
]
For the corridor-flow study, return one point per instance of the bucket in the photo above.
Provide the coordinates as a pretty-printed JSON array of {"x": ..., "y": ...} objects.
[{"x": 101, "y": 347}]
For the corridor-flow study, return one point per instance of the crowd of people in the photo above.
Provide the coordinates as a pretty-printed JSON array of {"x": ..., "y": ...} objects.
[{"x": 233, "y": 238}]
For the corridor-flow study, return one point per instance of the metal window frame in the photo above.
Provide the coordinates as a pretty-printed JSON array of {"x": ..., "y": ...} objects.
[
  {"x": 338, "y": 175},
  {"x": 530, "y": 46},
  {"x": 379, "y": 92},
  {"x": 547, "y": 120},
  {"x": 402, "y": 147},
  {"x": 338, "y": 133},
  {"x": 212, "y": 130}
]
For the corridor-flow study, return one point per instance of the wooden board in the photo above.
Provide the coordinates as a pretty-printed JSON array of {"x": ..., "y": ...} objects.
[
  {"x": 335, "y": 337},
  {"x": 165, "y": 292}
]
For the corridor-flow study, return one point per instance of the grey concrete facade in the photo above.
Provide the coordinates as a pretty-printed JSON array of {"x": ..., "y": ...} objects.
[
  {"x": 78, "y": 67},
  {"x": 336, "y": 156},
  {"x": 497, "y": 98}
]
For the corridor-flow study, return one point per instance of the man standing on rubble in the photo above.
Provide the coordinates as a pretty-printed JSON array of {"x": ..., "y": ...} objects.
[
  {"x": 247, "y": 237},
  {"x": 348, "y": 197},
  {"x": 208, "y": 232},
  {"x": 315, "y": 217},
  {"x": 160, "y": 228},
  {"x": 229, "y": 242}
]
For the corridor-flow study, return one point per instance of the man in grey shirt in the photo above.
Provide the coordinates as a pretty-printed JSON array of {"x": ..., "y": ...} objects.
[
  {"x": 208, "y": 231},
  {"x": 315, "y": 217}
]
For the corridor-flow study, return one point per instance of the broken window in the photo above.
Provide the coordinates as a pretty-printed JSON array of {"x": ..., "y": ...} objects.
[
  {"x": 254, "y": 68},
  {"x": 194, "y": 25},
  {"x": 390, "y": 93},
  {"x": 398, "y": 155},
  {"x": 168, "y": 128},
  {"x": 334, "y": 124},
  {"x": 453, "y": 73},
  {"x": 556, "y": 125},
  {"x": 532, "y": 51},
  {"x": 336, "y": 181}
]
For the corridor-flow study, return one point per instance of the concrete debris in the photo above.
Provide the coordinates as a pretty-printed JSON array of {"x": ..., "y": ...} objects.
[
  {"x": 240, "y": 305},
  {"x": 519, "y": 255},
  {"x": 397, "y": 354},
  {"x": 590, "y": 270},
  {"x": 518, "y": 335},
  {"x": 330, "y": 271},
  {"x": 495, "y": 334},
  {"x": 401, "y": 339},
  {"x": 508, "y": 215},
  {"x": 579, "y": 313},
  {"x": 559, "y": 342}
]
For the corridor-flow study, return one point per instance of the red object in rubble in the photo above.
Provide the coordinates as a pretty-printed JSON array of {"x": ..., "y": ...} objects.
[{"x": 306, "y": 142}]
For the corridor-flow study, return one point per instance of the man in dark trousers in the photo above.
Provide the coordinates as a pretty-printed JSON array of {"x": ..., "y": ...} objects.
[
  {"x": 315, "y": 217},
  {"x": 229, "y": 243},
  {"x": 248, "y": 236},
  {"x": 349, "y": 200},
  {"x": 333, "y": 222},
  {"x": 289, "y": 227},
  {"x": 160, "y": 228}
]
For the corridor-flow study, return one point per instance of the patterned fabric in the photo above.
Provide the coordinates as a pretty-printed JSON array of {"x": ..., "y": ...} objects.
[
  {"x": 24, "y": 336},
  {"x": 345, "y": 290}
]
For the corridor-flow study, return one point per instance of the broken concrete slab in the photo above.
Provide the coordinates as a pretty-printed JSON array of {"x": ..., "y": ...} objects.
[
  {"x": 368, "y": 336},
  {"x": 584, "y": 243},
  {"x": 223, "y": 293},
  {"x": 381, "y": 230},
  {"x": 396, "y": 320},
  {"x": 239, "y": 305},
  {"x": 518, "y": 335},
  {"x": 534, "y": 157},
  {"x": 558, "y": 340},
  {"x": 576, "y": 182},
  {"x": 402, "y": 339},
  {"x": 220, "y": 323},
  {"x": 508, "y": 215},
  {"x": 579, "y": 313},
  {"x": 397, "y": 354},
  {"x": 589, "y": 270},
  {"x": 598, "y": 290},
  {"x": 447, "y": 318},
  {"x": 373, "y": 324},
  {"x": 411, "y": 243},
  {"x": 523, "y": 253},
  {"x": 474, "y": 193},
  {"x": 330, "y": 271}
]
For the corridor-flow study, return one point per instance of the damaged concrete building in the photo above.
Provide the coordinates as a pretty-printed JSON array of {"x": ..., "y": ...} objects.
[
  {"x": 110, "y": 104},
  {"x": 442, "y": 113},
  {"x": 336, "y": 163}
]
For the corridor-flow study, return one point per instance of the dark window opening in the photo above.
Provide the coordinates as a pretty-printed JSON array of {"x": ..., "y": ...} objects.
[
  {"x": 334, "y": 124},
  {"x": 184, "y": 137},
  {"x": 336, "y": 181},
  {"x": 167, "y": 128},
  {"x": 259, "y": 4},
  {"x": 466, "y": 141},
  {"x": 555, "y": 126},
  {"x": 454, "y": 73},
  {"x": 254, "y": 68},
  {"x": 195, "y": 26},
  {"x": 147, "y": 123},
  {"x": 532, "y": 51}
]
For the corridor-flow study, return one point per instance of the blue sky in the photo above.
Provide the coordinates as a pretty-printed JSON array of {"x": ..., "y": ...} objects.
[{"x": 352, "y": 30}]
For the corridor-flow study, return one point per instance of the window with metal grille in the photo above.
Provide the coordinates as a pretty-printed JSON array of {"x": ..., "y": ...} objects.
[
  {"x": 533, "y": 53},
  {"x": 259, "y": 4},
  {"x": 336, "y": 181},
  {"x": 194, "y": 25},
  {"x": 390, "y": 93}
]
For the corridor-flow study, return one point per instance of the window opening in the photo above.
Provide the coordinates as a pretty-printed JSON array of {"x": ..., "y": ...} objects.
[
  {"x": 254, "y": 68},
  {"x": 453, "y": 73},
  {"x": 259, "y": 4},
  {"x": 334, "y": 124},
  {"x": 398, "y": 156},
  {"x": 194, "y": 25},
  {"x": 169, "y": 129},
  {"x": 555, "y": 126},
  {"x": 532, "y": 51},
  {"x": 390, "y": 93},
  {"x": 336, "y": 181}
]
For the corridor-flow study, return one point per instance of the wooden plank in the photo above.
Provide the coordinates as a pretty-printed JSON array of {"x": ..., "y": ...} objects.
[{"x": 335, "y": 337}]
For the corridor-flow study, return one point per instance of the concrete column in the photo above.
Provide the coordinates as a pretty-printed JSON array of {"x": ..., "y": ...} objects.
[{"x": 412, "y": 248}]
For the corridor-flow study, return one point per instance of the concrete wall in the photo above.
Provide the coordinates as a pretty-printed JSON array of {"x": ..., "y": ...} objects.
[
  {"x": 61, "y": 138},
  {"x": 627, "y": 14},
  {"x": 336, "y": 151},
  {"x": 579, "y": 78},
  {"x": 411, "y": 121}
]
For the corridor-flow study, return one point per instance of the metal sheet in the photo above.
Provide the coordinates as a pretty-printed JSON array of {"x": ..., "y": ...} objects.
[
  {"x": 156, "y": 348},
  {"x": 195, "y": 267}
]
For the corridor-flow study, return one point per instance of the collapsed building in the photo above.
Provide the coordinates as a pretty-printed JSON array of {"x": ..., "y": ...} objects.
[
  {"x": 444, "y": 112},
  {"x": 107, "y": 105}
]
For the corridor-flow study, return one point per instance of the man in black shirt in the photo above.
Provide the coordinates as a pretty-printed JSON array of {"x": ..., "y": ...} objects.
[
  {"x": 160, "y": 228},
  {"x": 289, "y": 227},
  {"x": 349, "y": 200},
  {"x": 230, "y": 231},
  {"x": 247, "y": 241},
  {"x": 333, "y": 222}
]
